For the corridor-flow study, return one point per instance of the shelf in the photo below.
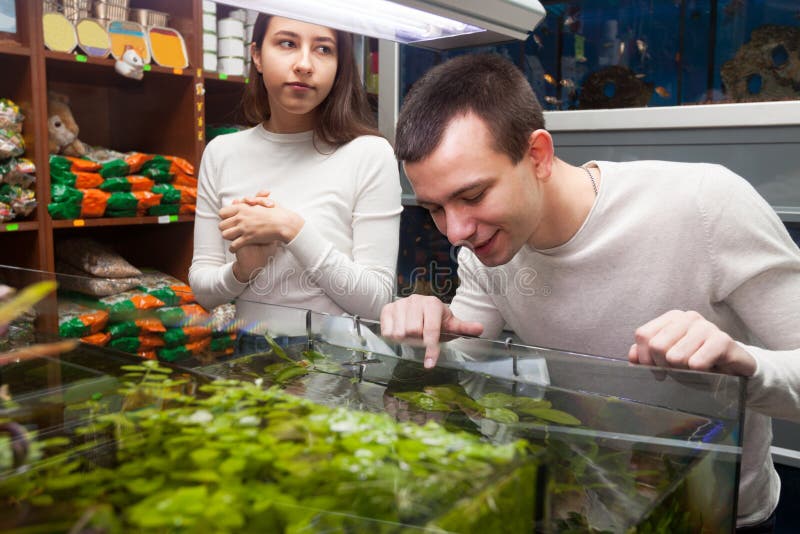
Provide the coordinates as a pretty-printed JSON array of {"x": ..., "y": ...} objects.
[
  {"x": 21, "y": 226},
  {"x": 12, "y": 48},
  {"x": 109, "y": 62},
  {"x": 121, "y": 221},
  {"x": 219, "y": 76}
]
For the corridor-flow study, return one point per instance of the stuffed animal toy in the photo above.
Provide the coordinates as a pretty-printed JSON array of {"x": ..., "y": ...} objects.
[
  {"x": 61, "y": 127},
  {"x": 130, "y": 64}
]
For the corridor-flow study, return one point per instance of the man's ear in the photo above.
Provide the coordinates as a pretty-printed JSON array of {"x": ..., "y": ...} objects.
[{"x": 540, "y": 153}]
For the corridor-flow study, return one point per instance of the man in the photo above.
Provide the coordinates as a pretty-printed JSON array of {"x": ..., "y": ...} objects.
[{"x": 670, "y": 264}]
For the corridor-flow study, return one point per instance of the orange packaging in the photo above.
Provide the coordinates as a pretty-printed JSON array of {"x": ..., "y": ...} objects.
[
  {"x": 87, "y": 180},
  {"x": 83, "y": 165},
  {"x": 187, "y": 209},
  {"x": 146, "y": 199},
  {"x": 95, "y": 320},
  {"x": 140, "y": 183},
  {"x": 184, "y": 179},
  {"x": 150, "y": 342},
  {"x": 188, "y": 193},
  {"x": 99, "y": 339},
  {"x": 150, "y": 326},
  {"x": 94, "y": 203}
]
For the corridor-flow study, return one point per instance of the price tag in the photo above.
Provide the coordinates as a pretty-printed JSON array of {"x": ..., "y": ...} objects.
[
  {"x": 12, "y": 227},
  {"x": 247, "y": 80},
  {"x": 173, "y": 218},
  {"x": 163, "y": 219},
  {"x": 78, "y": 222},
  {"x": 147, "y": 68},
  {"x": 223, "y": 76},
  {"x": 177, "y": 71},
  {"x": 80, "y": 58}
]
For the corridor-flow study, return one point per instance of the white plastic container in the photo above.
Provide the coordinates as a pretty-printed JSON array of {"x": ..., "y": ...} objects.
[
  {"x": 210, "y": 61},
  {"x": 238, "y": 14},
  {"x": 229, "y": 27},
  {"x": 232, "y": 66},
  {"x": 248, "y": 34},
  {"x": 210, "y": 42},
  {"x": 209, "y": 6},
  {"x": 230, "y": 47},
  {"x": 210, "y": 22}
]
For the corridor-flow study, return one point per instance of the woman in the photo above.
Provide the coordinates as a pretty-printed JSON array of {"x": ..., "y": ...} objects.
[{"x": 303, "y": 209}]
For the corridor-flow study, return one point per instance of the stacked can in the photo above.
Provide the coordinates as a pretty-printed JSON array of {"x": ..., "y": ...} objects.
[
  {"x": 230, "y": 43},
  {"x": 249, "y": 23},
  {"x": 209, "y": 35}
]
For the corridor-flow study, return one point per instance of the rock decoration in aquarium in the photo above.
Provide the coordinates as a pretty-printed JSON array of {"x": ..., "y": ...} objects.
[
  {"x": 766, "y": 68},
  {"x": 614, "y": 87},
  {"x": 234, "y": 457}
]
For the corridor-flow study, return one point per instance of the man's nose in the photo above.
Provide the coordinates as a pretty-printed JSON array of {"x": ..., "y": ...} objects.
[{"x": 460, "y": 226}]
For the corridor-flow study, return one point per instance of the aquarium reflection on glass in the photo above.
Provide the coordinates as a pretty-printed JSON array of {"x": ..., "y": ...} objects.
[
  {"x": 595, "y": 54},
  {"x": 558, "y": 441}
]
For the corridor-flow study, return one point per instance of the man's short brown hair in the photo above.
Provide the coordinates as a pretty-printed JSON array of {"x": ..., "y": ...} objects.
[{"x": 485, "y": 84}]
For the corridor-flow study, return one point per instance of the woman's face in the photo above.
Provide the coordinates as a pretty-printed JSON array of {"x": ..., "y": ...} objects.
[{"x": 298, "y": 62}]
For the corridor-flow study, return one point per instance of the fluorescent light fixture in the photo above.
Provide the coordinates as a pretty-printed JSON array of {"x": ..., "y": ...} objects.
[{"x": 433, "y": 23}]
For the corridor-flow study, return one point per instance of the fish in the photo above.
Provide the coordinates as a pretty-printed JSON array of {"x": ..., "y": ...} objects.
[
  {"x": 662, "y": 92},
  {"x": 553, "y": 101},
  {"x": 641, "y": 46},
  {"x": 569, "y": 84},
  {"x": 549, "y": 79},
  {"x": 621, "y": 48},
  {"x": 640, "y": 75}
]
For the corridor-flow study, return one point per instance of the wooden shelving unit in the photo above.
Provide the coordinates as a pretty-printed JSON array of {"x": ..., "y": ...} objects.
[{"x": 165, "y": 113}]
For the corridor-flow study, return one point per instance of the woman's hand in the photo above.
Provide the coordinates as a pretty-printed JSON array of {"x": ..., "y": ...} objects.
[
  {"x": 251, "y": 259},
  {"x": 258, "y": 221}
]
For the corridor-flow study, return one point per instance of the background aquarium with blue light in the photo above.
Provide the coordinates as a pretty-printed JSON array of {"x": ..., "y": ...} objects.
[{"x": 601, "y": 54}]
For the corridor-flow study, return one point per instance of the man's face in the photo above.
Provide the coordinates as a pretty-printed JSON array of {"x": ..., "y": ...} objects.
[{"x": 477, "y": 197}]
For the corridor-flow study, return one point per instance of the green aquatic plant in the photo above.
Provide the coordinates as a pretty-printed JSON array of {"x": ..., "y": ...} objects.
[{"x": 231, "y": 456}]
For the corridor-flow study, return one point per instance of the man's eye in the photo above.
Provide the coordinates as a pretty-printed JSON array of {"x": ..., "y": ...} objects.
[{"x": 474, "y": 198}]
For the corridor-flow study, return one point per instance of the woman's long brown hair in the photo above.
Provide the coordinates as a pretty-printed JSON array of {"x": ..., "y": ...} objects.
[{"x": 343, "y": 115}]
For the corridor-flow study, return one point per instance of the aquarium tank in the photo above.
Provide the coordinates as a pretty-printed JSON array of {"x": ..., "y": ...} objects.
[
  {"x": 324, "y": 425},
  {"x": 599, "y": 54}
]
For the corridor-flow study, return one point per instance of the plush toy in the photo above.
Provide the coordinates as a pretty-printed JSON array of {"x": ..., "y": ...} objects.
[
  {"x": 130, "y": 64},
  {"x": 61, "y": 127}
]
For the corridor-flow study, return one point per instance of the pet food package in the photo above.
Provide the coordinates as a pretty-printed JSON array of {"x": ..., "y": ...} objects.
[
  {"x": 77, "y": 320},
  {"x": 223, "y": 343},
  {"x": 11, "y": 144},
  {"x": 92, "y": 257},
  {"x": 169, "y": 193},
  {"x": 73, "y": 279},
  {"x": 136, "y": 327},
  {"x": 223, "y": 319},
  {"x": 166, "y": 288},
  {"x": 18, "y": 172},
  {"x": 129, "y": 305},
  {"x": 71, "y": 164},
  {"x": 99, "y": 339},
  {"x": 136, "y": 344},
  {"x": 127, "y": 184},
  {"x": 20, "y": 200},
  {"x": 186, "y": 315},
  {"x": 11, "y": 118},
  {"x": 188, "y": 334},
  {"x": 184, "y": 351},
  {"x": 77, "y": 179}
]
